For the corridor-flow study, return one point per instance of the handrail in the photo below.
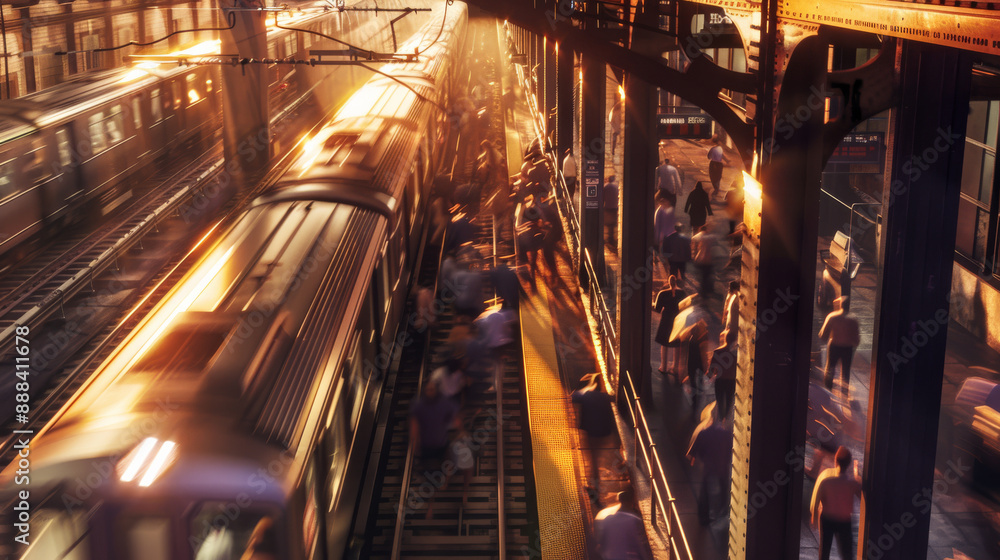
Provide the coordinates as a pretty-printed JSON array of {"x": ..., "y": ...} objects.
[{"x": 661, "y": 498}]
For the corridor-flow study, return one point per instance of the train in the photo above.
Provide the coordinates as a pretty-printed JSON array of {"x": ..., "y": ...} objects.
[
  {"x": 236, "y": 420},
  {"x": 79, "y": 149}
]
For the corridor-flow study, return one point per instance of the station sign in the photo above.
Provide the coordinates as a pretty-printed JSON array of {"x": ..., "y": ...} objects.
[
  {"x": 864, "y": 147},
  {"x": 674, "y": 125}
]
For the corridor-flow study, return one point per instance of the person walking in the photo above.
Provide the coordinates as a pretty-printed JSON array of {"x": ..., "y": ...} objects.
[
  {"x": 702, "y": 246},
  {"x": 713, "y": 447},
  {"x": 619, "y": 531},
  {"x": 698, "y": 207},
  {"x": 843, "y": 334},
  {"x": 666, "y": 303},
  {"x": 695, "y": 341},
  {"x": 597, "y": 421},
  {"x": 833, "y": 505},
  {"x": 664, "y": 224},
  {"x": 668, "y": 181},
  {"x": 676, "y": 250},
  {"x": 569, "y": 172},
  {"x": 723, "y": 370},
  {"x": 715, "y": 166}
]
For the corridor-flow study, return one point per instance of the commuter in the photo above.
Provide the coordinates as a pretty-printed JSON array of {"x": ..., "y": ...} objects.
[
  {"x": 734, "y": 207},
  {"x": 615, "y": 120},
  {"x": 723, "y": 370},
  {"x": 611, "y": 212},
  {"x": 668, "y": 181},
  {"x": 509, "y": 102},
  {"x": 664, "y": 224},
  {"x": 431, "y": 415},
  {"x": 450, "y": 380},
  {"x": 619, "y": 531},
  {"x": 666, "y": 303},
  {"x": 423, "y": 317},
  {"x": 843, "y": 334},
  {"x": 597, "y": 421},
  {"x": 713, "y": 447},
  {"x": 507, "y": 286},
  {"x": 833, "y": 505},
  {"x": 553, "y": 234},
  {"x": 529, "y": 237},
  {"x": 468, "y": 286},
  {"x": 676, "y": 250},
  {"x": 569, "y": 172},
  {"x": 489, "y": 165},
  {"x": 702, "y": 246},
  {"x": 731, "y": 314},
  {"x": 698, "y": 206},
  {"x": 694, "y": 340},
  {"x": 715, "y": 166}
]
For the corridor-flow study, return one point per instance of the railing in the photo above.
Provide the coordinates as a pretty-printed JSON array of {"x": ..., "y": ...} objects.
[
  {"x": 661, "y": 499},
  {"x": 646, "y": 456}
]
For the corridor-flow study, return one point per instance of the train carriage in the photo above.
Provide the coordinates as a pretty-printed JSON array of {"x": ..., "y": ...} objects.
[{"x": 238, "y": 416}]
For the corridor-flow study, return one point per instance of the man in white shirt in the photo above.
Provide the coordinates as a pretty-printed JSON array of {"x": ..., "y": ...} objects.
[{"x": 668, "y": 181}]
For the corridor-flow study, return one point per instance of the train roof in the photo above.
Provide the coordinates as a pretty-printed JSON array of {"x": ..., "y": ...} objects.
[{"x": 266, "y": 304}]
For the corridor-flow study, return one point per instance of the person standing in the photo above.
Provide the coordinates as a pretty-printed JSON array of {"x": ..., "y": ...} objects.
[
  {"x": 698, "y": 206},
  {"x": 715, "y": 166},
  {"x": 843, "y": 334},
  {"x": 713, "y": 447},
  {"x": 668, "y": 181},
  {"x": 611, "y": 212},
  {"x": 619, "y": 531},
  {"x": 597, "y": 421},
  {"x": 702, "y": 245},
  {"x": 664, "y": 224},
  {"x": 833, "y": 505},
  {"x": 569, "y": 172},
  {"x": 666, "y": 303}
]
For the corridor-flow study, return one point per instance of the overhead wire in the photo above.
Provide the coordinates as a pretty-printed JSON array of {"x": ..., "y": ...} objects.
[{"x": 230, "y": 16}]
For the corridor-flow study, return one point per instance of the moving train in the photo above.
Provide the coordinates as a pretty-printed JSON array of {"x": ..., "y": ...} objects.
[
  {"x": 79, "y": 148},
  {"x": 236, "y": 419}
]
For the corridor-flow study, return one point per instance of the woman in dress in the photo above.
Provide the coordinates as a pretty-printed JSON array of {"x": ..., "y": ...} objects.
[{"x": 666, "y": 303}]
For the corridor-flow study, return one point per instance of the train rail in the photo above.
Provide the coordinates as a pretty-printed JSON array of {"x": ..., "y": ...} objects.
[{"x": 494, "y": 517}]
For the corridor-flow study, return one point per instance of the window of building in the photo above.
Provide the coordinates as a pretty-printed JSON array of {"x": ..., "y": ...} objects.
[{"x": 976, "y": 220}]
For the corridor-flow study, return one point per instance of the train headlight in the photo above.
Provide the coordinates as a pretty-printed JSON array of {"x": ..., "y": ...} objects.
[{"x": 151, "y": 458}]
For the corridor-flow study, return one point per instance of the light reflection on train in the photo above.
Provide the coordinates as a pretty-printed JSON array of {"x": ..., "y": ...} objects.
[
  {"x": 237, "y": 418},
  {"x": 80, "y": 148}
]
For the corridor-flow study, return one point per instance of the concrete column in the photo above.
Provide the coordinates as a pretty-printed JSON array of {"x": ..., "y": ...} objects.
[
  {"x": 245, "y": 107},
  {"x": 637, "y": 263},
  {"x": 775, "y": 339},
  {"x": 565, "y": 77},
  {"x": 591, "y": 161},
  {"x": 916, "y": 252}
]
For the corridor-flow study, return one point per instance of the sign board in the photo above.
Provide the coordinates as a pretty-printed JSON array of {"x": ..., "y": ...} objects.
[
  {"x": 865, "y": 147},
  {"x": 591, "y": 182},
  {"x": 678, "y": 125}
]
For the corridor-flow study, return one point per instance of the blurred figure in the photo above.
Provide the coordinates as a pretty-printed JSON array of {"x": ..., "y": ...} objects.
[
  {"x": 677, "y": 252},
  {"x": 431, "y": 415},
  {"x": 833, "y": 505},
  {"x": 218, "y": 545},
  {"x": 664, "y": 224},
  {"x": 507, "y": 286},
  {"x": 423, "y": 317},
  {"x": 569, "y": 172},
  {"x": 715, "y": 158},
  {"x": 702, "y": 245},
  {"x": 734, "y": 205},
  {"x": 611, "y": 212},
  {"x": 615, "y": 121},
  {"x": 619, "y": 531},
  {"x": 731, "y": 314},
  {"x": 668, "y": 181},
  {"x": 694, "y": 340},
  {"x": 597, "y": 421},
  {"x": 262, "y": 544},
  {"x": 723, "y": 370},
  {"x": 698, "y": 206},
  {"x": 552, "y": 228},
  {"x": 666, "y": 303},
  {"x": 713, "y": 447},
  {"x": 842, "y": 333},
  {"x": 450, "y": 380}
]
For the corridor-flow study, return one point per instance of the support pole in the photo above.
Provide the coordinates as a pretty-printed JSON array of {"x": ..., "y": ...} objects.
[
  {"x": 245, "y": 107},
  {"x": 913, "y": 298},
  {"x": 592, "y": 162}
]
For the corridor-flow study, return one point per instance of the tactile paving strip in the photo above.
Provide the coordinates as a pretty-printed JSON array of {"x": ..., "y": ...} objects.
[{"x": 563, "y": 534}]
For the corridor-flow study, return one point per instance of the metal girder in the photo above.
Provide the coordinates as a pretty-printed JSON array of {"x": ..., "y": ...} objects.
[
  {"x": 700, "y": 84},
  {"x": 963, "y": 28}
]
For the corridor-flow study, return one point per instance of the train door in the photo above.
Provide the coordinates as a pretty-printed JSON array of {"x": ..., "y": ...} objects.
[
  {"x": 71, "y": 186},
  {"x": 19, "y": 208},
  {"x": 156, "y": 128}
]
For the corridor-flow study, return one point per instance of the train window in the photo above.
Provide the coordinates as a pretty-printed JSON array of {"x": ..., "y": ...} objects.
[
  {"x": 116, "y": 125},
  {"x": 137, "y": 113},
  {"x": 194, "y": 95},
  {"x": 216, "y": 534},
  {"x": 35, "y": 169},
  {"x": 208, "y": 85},
  {"x": 185, "y": 350},
  {"x": 95, "y": 125},
  {"x": 7, "y": 179},
  {"x": 65, "y": 151},
  {"x": 61, "y": 534},
  {"x": 146, "y": 538},
  {"x": 155, "y": 108},
  {"x": 176, "y": 89}
]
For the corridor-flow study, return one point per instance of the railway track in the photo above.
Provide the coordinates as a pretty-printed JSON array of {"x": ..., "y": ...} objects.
[{"x": 494, "y": 516}]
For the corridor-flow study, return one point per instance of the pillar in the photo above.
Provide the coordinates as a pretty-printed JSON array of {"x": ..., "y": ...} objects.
[
  {"x": 591, "y": 162},
  {"x": 548, "y": 102},
  {"x": 245, "y": 108},
  {"x": 920, "y": 216},
  {"x": 565, "y": 109},
  {"x": 637, "y": 263}
]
